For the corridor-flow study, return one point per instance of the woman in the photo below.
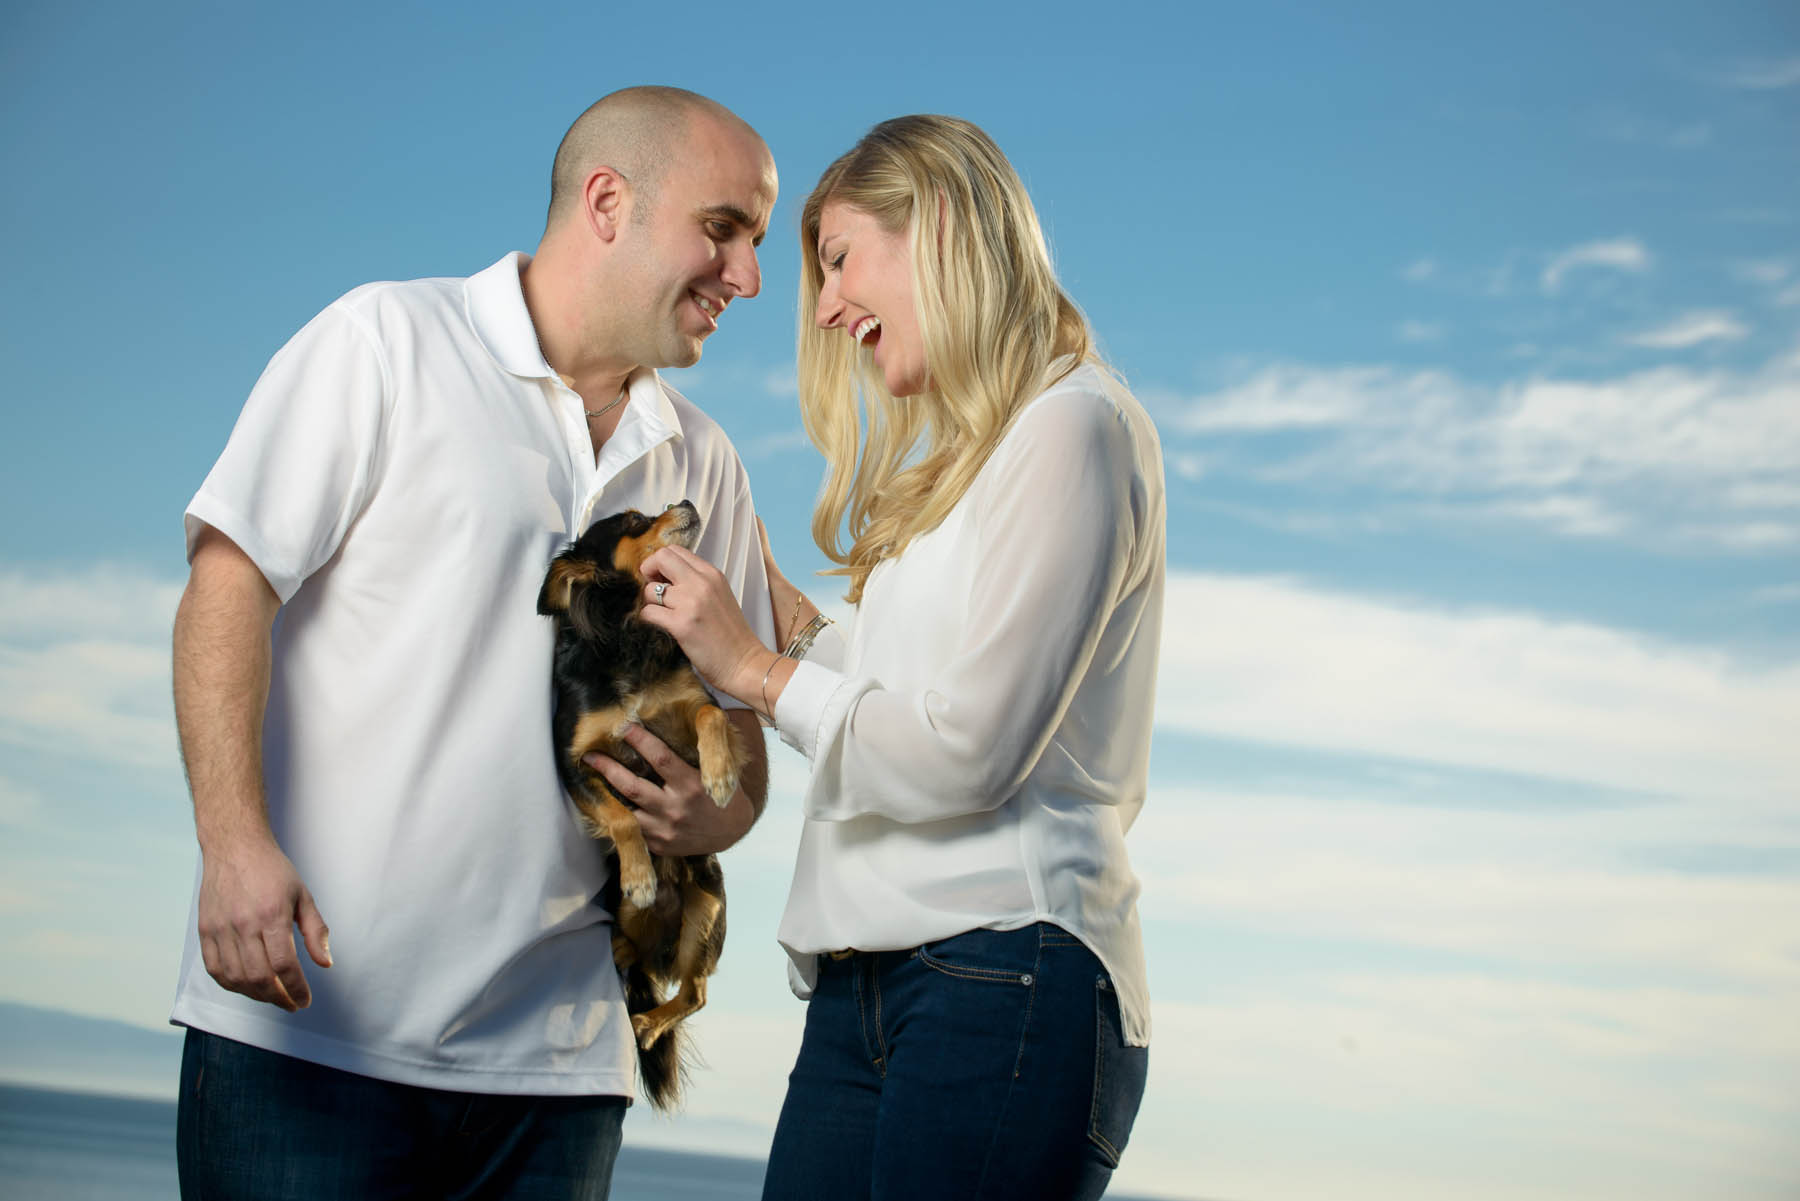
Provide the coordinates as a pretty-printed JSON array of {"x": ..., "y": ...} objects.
[{"x": 963, "y": 914}]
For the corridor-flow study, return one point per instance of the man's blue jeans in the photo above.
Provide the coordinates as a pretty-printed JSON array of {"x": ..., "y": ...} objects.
[
  {"x": 989, "y": 1065},
  {"x": 257, "y": 1126}
]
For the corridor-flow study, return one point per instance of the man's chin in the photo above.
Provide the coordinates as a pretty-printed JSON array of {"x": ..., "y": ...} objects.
[{"x": 685, "y": 353}]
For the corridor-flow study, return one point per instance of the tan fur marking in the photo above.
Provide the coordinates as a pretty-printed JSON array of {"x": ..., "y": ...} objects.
[
  {"x": 629, "y": 553},
  {"x": 699, "y": 912},
  {"x": 564, "y": 575}
]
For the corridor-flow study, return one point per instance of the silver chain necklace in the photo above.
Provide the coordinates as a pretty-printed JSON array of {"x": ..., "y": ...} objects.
[{"x": 607, "y": 408}]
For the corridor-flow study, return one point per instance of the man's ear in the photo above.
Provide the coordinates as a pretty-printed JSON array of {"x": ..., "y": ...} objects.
[{"x": 606, "y": 201}]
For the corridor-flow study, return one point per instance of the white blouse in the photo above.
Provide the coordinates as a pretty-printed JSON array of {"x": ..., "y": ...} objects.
[{"x": 984, "y": 743}]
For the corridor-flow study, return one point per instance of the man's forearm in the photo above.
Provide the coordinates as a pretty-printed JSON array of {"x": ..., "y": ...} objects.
[
  {"x": 753, "y": 780},
  {"x": 221, "y": 677}
]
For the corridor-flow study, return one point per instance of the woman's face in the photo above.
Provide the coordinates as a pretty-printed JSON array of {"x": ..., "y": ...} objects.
[{"x": 868, "y": 293}]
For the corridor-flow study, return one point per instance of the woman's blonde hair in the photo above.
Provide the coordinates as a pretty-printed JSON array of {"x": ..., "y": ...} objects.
[{"x": 991, "y": 315}]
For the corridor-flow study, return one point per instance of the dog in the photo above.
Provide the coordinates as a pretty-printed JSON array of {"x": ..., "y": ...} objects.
[{"x": 611, "y": 669}]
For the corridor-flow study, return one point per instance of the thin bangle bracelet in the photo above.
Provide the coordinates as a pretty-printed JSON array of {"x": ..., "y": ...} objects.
[
  {"x": 794, "y": 618},
  {"x": 768, "y": 713}
]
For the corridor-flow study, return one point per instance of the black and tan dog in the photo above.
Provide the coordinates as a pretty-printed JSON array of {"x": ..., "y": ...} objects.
[{"x": 613, "y": 669}]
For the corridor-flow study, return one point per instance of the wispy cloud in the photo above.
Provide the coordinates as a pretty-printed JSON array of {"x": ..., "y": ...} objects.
[
  {"x": 1633, "y": 129},
  {"x": 1761, "y": 271},
  {"x": 764, "y": 445},
  {"x": 1420, "y": 331},
  {"x": 1419, "y": 270},
  {"x": 1760, "y": 75},
  {"x": 1618, "y": 254},
  {"x": 1313, "y": 667},
  {"x": 1657, "y": 454},
  {"x": 1692, "y": 329},
  {"x": 84, "y": 664}
]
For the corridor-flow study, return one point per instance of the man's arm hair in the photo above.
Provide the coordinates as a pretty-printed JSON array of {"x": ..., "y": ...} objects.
[
  {"x": 221, "y": 676},
  {"x": 250, "y": 895}
]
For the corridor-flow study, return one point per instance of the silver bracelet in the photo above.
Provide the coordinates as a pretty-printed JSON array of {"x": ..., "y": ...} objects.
[{"x": 803, "y": 641}]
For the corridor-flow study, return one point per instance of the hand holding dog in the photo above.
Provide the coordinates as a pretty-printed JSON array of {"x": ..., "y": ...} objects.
[
  {"x": 250, "y": 900},
  {"x": 676, "y": 816}
]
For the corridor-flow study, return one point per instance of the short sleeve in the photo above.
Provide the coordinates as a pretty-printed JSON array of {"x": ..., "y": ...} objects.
[{"x": 301, "y": 461}]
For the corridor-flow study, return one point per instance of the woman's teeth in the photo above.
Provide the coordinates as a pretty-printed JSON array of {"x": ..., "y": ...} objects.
[{"x": 864, "y": 328}]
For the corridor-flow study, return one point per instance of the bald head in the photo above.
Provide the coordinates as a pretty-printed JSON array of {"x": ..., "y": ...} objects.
[{"x": 637, "y": 132}]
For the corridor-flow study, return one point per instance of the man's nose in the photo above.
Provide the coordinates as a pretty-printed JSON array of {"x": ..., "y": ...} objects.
[{"x": 743, "y": 273}]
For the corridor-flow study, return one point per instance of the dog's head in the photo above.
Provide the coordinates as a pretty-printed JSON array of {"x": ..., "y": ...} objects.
[{"x": 598, "y": 582}]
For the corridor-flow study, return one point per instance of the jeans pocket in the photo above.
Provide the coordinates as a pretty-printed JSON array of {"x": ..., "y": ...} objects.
[
  {"x": 1119, "y": 1075},
  {"x": 1003, "y": 957}
]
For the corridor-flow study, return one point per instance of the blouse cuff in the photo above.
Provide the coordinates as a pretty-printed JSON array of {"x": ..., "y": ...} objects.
[{"x": 804, "y": 701}]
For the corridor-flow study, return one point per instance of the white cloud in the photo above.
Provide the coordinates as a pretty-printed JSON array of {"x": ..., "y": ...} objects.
[
  {"x": 1566, "y": 513},
  {"x": 19, "y": 804},
  {"x": 1692, "y": 329},
  {"x": 1761, "y": 271},
  {"x": 1419, "y": 270},
  {"x": 1776, "y": 594},
  {"x": 781, "y": 382},
  {"x": 1762, "y": 75},
  {"x": 100, "y": 602},
  {"x": 1618, "y": 254},
  {"x": 1617, "y": 126},
  {"x": 764, "y": 445},
  {"x": 1788, "y": 296},
  {"x": 1420, "y": 331},
  {"x": 84, "y": 664},
  {"x": 1287, "y": 397},
  {"x": 1656, "y": 455},
  {"x": 1276, "y": 662}
]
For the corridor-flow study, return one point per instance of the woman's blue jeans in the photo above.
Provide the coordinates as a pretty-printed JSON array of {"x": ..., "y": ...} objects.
[
  {"x": 986, "y": 1066},
  {"x": 256, "y": 1126}
]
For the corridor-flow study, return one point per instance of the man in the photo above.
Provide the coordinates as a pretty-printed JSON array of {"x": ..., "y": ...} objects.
[{"x": 362, "y": 689}]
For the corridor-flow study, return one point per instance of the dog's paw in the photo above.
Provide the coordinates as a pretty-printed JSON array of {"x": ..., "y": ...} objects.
[
  {"x": 647, "y": 1029},
  {"x": 638, "y": 888},
  {"x": 719, "y": 786}
]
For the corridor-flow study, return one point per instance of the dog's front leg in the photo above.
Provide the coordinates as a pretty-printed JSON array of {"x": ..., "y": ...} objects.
[
  {"x": 722, "y": 757},
  {"x": 606, "y": 816}
]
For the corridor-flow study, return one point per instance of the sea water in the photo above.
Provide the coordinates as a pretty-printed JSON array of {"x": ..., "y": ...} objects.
[{"x": 57, "y": 1146}]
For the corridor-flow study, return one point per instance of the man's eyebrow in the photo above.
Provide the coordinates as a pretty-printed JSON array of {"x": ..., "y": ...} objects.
[{"x": 736, "y": 216}]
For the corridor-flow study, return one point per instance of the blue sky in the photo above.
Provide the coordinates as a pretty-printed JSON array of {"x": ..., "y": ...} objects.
[{"x": 1472, "y": 859}]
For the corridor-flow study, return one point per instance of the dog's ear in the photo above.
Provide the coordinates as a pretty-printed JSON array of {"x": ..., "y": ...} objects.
[
  {"x": 600, "y": 607},
  {"x": 557, "y": 594}
]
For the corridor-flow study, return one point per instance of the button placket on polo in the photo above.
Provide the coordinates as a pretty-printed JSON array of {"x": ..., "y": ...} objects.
[
  {"x": 568, "y": 407},
  {"x": 635, "y": 436}
]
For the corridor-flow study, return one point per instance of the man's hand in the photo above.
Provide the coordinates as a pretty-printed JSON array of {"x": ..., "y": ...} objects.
[
  {"x": 677, "y": 816},
  {"x": 250, "y": 901}
]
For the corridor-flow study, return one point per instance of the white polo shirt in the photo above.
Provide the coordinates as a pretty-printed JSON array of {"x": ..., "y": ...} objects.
[{"x": 403, "y": 473}]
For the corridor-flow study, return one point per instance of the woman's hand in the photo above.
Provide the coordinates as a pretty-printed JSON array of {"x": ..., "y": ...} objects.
[
  {"x": 688, "y": 597},
  {"x": 790, "y": 609}
]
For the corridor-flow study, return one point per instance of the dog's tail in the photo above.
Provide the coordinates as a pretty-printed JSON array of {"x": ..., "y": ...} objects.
[{"x": 663, "y": 1069}]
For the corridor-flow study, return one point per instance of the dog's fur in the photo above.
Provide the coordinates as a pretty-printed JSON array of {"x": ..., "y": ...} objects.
[{"x": 613, "y": 669}]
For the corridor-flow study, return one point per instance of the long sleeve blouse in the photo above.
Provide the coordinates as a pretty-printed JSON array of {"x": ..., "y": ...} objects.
[{"x": 980, "y": 736}]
